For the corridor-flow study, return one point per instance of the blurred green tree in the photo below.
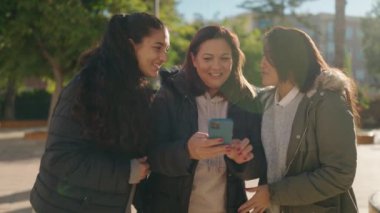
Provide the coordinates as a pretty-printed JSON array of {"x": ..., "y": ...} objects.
[
  {"x": 17, "y": 58},
  {"x": 45, "y": 38},
  {"x": 180, "y": 32},
  {"x": 251, "y": 45},
  {"x": 272, "y": 12},
  {"x": 371, "y": 38}
]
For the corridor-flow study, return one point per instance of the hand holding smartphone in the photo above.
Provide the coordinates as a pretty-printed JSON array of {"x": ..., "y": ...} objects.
[{"x": 221, "y": 128}]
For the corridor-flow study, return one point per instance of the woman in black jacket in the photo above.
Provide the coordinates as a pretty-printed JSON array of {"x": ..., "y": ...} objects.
[
  {"x": 191, "y": 172},
  {"x": 96, "y": 146}
]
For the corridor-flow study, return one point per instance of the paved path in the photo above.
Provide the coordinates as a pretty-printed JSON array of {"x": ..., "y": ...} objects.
[{"x": 19, "y": 162}]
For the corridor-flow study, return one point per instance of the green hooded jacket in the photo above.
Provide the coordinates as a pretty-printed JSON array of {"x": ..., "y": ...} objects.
[{"x": 321, "y": 156}]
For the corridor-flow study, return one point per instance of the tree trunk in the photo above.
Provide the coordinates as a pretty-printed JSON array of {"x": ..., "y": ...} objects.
[
  {"x": 339, "y": 33},
  {"x": 58, "y": 76},
  {"x": 10, "y": 99}
]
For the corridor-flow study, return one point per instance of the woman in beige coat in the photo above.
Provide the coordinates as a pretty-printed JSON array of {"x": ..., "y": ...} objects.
[{"x": 308, "y": 130}]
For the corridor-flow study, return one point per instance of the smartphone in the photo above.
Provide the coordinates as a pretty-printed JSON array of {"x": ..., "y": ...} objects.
[{"x": 221, "y": 128}]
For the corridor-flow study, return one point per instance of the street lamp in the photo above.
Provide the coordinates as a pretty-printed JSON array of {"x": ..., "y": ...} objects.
[{"x": 157, "y": 8}]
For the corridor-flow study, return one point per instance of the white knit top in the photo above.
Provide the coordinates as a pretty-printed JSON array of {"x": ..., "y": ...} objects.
[
  {"x": 276, "y": 129},
  {"x": 209, "y": 186}
]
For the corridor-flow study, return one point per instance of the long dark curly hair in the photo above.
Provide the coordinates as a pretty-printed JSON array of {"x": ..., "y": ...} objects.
[{"x": 113, "y": 98}]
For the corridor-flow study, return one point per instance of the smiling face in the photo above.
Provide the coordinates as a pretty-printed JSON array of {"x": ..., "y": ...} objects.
[
  {"x": 269, "y": 76},
  {"x": 213, "y": 63},
  {"x": 151, "y": 52}
]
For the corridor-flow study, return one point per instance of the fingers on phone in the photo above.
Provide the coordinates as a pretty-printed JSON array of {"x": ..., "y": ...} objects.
[
  {"x": 248, "y": 149},
  {"x": 201, "y": 135},
  {"x": 142, "y": 159},
  {"x": 214, "y": 142},
  {"x": 217, "y": 150},
  {"x": 248, "y": 157},
  {"x": 235, "y": 142},
  {"x": 245, "y": 142}
]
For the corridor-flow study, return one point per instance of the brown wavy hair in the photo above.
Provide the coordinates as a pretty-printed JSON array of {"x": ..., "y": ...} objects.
[{"x": 236, "y": 87}]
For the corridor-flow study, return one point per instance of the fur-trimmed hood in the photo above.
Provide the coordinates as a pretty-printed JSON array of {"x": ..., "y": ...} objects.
[{"x": 333, "y": 80}]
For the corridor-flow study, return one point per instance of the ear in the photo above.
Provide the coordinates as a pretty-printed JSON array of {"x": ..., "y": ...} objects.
[
  {"x": 132, "y": 42},
  {"x": 193, "y": 60}
]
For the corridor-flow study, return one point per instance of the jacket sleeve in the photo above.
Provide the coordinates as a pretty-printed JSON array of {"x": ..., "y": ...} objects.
[
  {"x": 166, "y": 154},
  {"x": 255, "y": 168},
  {"x": 78, "y": 162},
  {"x": 336, "y": 150}
]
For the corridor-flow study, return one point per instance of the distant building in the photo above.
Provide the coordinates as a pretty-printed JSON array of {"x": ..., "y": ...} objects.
[
  {"x": 324, "y": 38},
  {"x": 321, "y": 28}
]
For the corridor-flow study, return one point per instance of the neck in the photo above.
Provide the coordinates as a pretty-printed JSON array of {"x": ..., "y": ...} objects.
[
  {"x": 212, "y": 92},
  {"x": 283, "y": 88}
]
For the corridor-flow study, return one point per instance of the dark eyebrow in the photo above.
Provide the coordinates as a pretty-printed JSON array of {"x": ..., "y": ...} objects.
[
  {"x": 226, "y": 54},
  {"x": 159, "y": 43}
]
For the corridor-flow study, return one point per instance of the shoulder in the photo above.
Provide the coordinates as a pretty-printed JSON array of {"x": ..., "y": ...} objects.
[
  {"x": 165, "y": 93},
  {"x": 170, "y": 77},
  {"x": 333, "y": 80},
  {"x": 247, "y": 103},
  {"x": 265, "y": 92},
  {"x": 68, "y": 99},
  {"x": 330, "y": 98},
  {"x": 173, "y": 83},
  {"x": 330, "y": 105},
  {"x": 265, "y": 96},
  {"x": 330, "y": 89},
  {"x": 71, "y": 89}
]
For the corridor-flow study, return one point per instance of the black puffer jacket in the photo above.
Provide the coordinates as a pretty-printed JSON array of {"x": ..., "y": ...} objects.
[
  {"x": 75, "y": 175},
  {"x": 172, "y": 169}
]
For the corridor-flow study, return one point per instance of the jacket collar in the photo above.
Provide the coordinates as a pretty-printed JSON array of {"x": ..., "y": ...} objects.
[
  {"x": 177, "y": 80},
  {"x": 333, "y": 80},
  {"x": 287, "y": 98}
]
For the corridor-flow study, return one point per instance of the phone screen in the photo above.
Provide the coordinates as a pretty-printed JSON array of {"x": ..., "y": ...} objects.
[{"x": 221, "y": 128}]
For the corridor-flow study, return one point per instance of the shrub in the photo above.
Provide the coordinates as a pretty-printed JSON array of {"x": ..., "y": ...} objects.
[{"x": 32, "y": 105}]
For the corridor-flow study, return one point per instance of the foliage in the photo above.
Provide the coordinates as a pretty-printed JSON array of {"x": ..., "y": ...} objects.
[
  {"x": 272, "y": 10},
  {"x": 180, "y": 33},
  {"x": 122, "y": 6},
  {"x": 251, "y": 45},
  {"x": 32, "y": 105},
  {"x": 62, "y": 29},
  {"x": 371, "y": 38},
  {"x": 44, "y": 38}
]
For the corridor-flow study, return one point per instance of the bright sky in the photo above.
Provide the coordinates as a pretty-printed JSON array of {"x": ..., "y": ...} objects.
[{"x": 211, "y": 9}]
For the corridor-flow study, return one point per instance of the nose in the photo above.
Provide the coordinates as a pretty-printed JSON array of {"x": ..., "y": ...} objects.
[
  {"x": 216, "y": 64},
  {"x": 164, "y": 56}
]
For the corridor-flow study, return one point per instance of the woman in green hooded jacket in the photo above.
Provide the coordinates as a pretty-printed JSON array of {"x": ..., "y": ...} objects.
[{"x": 308, "y": 130}]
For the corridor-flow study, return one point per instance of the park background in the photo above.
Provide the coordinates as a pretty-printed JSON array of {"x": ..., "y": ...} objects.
[{"x": 41, "y": 41}]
